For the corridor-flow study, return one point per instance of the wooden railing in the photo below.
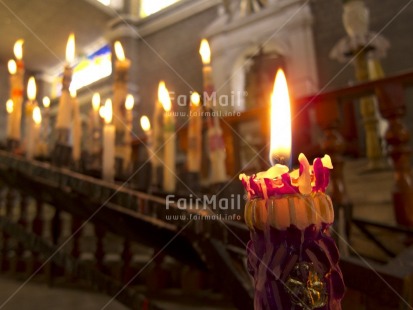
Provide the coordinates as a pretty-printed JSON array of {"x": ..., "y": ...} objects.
[{"x": 32, "y": 187}]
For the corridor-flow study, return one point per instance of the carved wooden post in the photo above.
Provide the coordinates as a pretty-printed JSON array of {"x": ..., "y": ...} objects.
[
  {"x": 56, "y": 227},
  {"x": 100, "y": 251},
  {"x": 37, "y": 228},
  {"x": 22, "y": 221},
  {"x": 328, "y": 117},
  {"x": 76, "y": 234},
  {"x": 5, "y": 258},
  {"x": 393, "y": 109},
  {"x": 368, "y": 110},
  {"x": 126, "y": 260}
]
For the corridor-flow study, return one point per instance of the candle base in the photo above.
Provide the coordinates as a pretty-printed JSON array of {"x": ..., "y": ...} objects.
[
  {"x": 295, "y": 268},
  {"x": 142, "y": 180},
  {"x": 12, "y": 145},
  {"x": 192, "y": 183},
  {"x": 62, "y": 155}
]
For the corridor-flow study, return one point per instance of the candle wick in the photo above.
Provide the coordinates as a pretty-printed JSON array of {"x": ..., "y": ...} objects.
[{"x": 281, "y": 160}]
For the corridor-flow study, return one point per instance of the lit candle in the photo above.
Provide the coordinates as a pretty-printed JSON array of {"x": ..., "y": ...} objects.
[
  {"x": 33, "y": 148},
  {"x": 169, "y": 179},
  {"x": 46, "y": 125},
  {"x": 108, "y": 160},
  {"x": 157, "y": 136},
  {"x": 65, "y": 110},
  {"x": 77, "y": 128},
  {"x": 122, "y": 65},
  {"x": 291, "y": 255},
  {"x": 29, "y": 122},
  {"x": 216, "y": 145},
  {"x": 195, "y": 135},
  {"x": 94, "y": 125},
  {"x": 120, "y": 91},
  {"x": 9, "y": 109},
  {"x": 16, "y": 70},
  {"x": 146, "y": 126},
  {"x": 205, "y": 53},
  {"x": 94, "y": 121},
  {"x": 129, "y": 103}
]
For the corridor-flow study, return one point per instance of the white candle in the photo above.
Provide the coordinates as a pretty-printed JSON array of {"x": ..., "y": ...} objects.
[
  {"x": 94, "y": 125},
  {"x": 194, "y": 135},
  {"x": 169, "y": 178},
  {"x": 16, "y": 94},
  {"x": 64, "y": 113},
  {"x": 129, "y": 103},
  {"x": 33, "y": 143},
  {"x": 157, "y": 132},
  {"x": 120, "y": 90},
  {"x": 77, "y": 128},
  {"x": 216, "y": 145},
  {"x": 17, "y": 89},
  {"x": 146, "y": 126},
  {"x": 29, "y": 122},
  {"x": 45, "y": 128},
  {"x": 108, "y": 160},
  {"x": 94, "y": 119},
  {"x": 9, "y": 109}
]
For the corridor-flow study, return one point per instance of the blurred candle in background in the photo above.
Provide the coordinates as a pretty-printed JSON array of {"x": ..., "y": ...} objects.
[
  {"x": 169, "y": 136},
  {"x": 95, "y": 126},
  {"x": 65, "y": 109},
  {"x": 129, "y": 104},
  {"x": 45, "y": 133},
  {"x": 16, "y": 70},
  {"x": 194, "y": 135},
  {"x": 216, "y": 145},
  {"x": 77, "y": 128},
  {"x": 120, "y": 91},
  {"x": 9, "y": 109},
  {"x": 157, "y": 137},
  {"x": 146, "y": 126},
  {"x": 108, "y": 160},
  {"x": 35, "y": 147},
  {"x": 31, "y": 103}
]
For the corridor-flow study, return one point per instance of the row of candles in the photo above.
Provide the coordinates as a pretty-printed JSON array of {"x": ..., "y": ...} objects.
[{"x": 117, "y": 120}]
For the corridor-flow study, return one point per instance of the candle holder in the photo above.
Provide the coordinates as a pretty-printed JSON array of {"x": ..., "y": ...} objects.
[
  {"x": 142, "y": 181},
  {"x": 291, "y": 255},
  {"x": 12, "y": 145}
]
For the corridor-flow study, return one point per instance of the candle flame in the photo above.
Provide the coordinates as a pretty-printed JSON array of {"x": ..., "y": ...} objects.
[
  {"x": 18, "y": 49},
  {"x": 96, "y": 102},
  {"x": 9, "y": 106},
  {"x": 37, "y": 115},
  {"x": 145, "y": 123},
  {"x": 11, "y": 65},
  {"x": 205, "y": 52},
  {"x": 108, "y": 114},
  {"x": 102, "y": 111},
  {"x": 129, "y": 103},
  {"x": 195, "y": 99},
  {"x": 70, "y": 49},
  {"x": 46, "y": 102},
  {"x": 120, "y": 54},
  {"x": 280, "y": 148},
  {"x": 31, "y": 89},
  {"x": 163, "y": 97}
]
